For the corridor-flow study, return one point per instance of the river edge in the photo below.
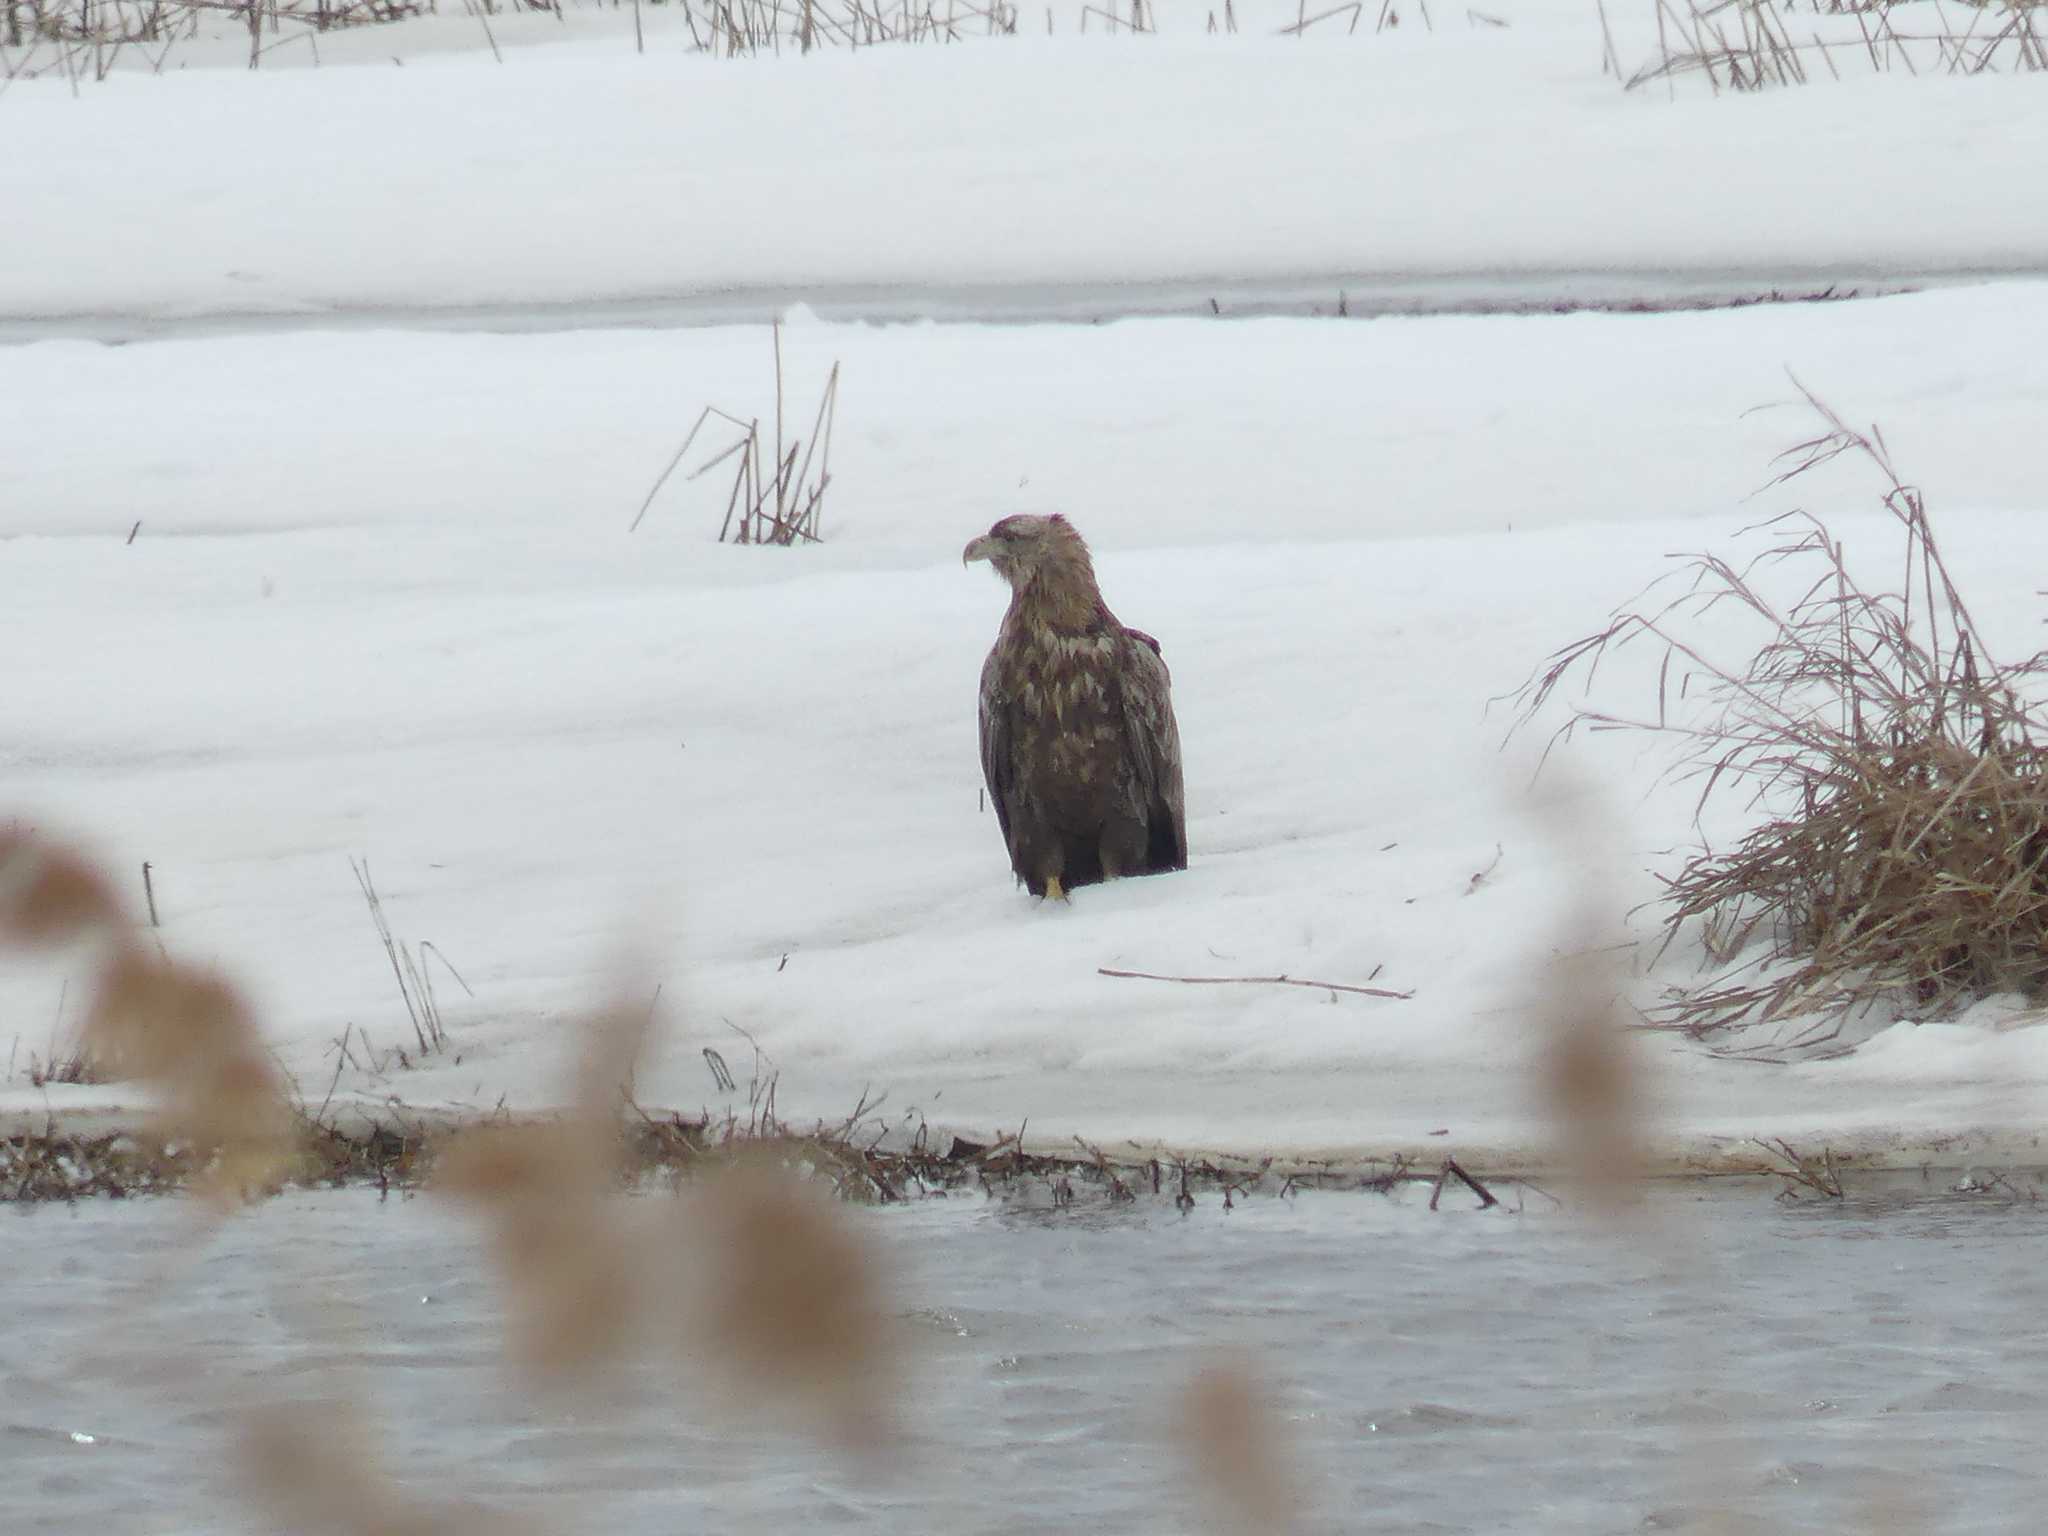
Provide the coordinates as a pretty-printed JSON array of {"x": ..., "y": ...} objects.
[
  {"x": 63, "y": 1156},
  {"x": 1337, "y": 296}
]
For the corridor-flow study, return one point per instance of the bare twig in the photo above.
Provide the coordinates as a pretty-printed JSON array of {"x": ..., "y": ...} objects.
[
  {"x": 1256, "y": 981},
  {"x": 1822, "y": 1177},
  {"x": 1452, "y": 1170},
  {"x": 1479, "y": 877}
]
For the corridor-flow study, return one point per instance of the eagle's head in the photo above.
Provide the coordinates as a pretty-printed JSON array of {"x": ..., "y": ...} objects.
[{"x": 1022, "y": 547}]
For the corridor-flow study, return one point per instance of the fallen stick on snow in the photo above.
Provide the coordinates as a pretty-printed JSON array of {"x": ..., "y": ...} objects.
[
  {"x": 1451, "y": 1170},
  {"x": 1256, "y": 981}
]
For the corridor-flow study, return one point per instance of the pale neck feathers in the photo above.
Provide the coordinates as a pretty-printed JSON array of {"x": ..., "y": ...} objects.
[{"x": 1059, "y": 593}]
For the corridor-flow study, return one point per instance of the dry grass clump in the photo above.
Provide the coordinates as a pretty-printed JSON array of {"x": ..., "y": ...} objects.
[
  {"x": 1898, "y": 764},
  {"x": 51, "y": 895},
  {"x": 1748, "y": 45},
  {"x": 191, "y": 1036},
  {"x": 186, "y": 1033},
  {"x": 36, "y": 1168},
  {"x": 747, "y": 28},
  {"x": 87, "y": 39},
  {"x": 312, "y": 1467},
  {"x": 783, "y": 1306},
  {"x": 1588, "y": 1083},
  {"x": 1229, "y": 1431},
  {"x": 56, "y": 1164},
  {"x": 742, "y": 28},
  {"x": 1587, "y": 1077},
  {"x": 749, "y": 1273},
  {"x": 409, "y": 968},
  {"x": 548, "y": 1191},
  {"x": 781, "y": 501},
  {"x": 61, "y": 1068}
]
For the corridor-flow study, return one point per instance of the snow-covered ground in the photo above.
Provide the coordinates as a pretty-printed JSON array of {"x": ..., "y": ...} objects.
[
  {"x": 580, "y": 172},
  {"x": 380, "y": 600},
  {"x": 383, "y": 603}
]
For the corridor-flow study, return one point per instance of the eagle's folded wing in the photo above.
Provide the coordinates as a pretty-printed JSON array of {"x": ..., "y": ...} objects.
[
  {"x": 998, "y": 766},
  {"x": 1153, "y": 739}
]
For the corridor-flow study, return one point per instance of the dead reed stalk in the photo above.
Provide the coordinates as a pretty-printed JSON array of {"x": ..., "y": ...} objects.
[
  {"x": 546, "y": 1191},
  {"x": 780, "y": 502},
  {"x": 1747, "y": 45},
  {"x": 1229, "y": 1428},
  {"x": 409, "y": 968}
]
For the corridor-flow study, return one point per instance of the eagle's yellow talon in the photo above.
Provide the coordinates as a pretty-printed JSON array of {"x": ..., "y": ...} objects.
[{"x": 1054, "y": 891}]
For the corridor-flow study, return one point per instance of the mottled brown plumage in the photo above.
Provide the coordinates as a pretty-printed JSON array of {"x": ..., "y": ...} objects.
[{"x": 1078, "y": 740}]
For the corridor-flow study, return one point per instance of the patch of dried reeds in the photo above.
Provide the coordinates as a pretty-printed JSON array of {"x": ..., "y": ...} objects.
[
  {"x": 51, "y": 895},
  {"x": 785, "y": 1308},
  {"x": 1898, "y": 764},
  {"x": 548, "y": 1193},
  {"x": 750, "y": 1274},
  {"x": 782, "y": 502},
  {"x": 1750, "y": 45},
  {"x": 313, "y": 1467},
  {"x": 224, "y": 1127},
  {"x": 743, "y": 28},
  {"x": 410, "y": 969},
  {"x": 186, "y": 1033},
  {"x": 1587, "y": 1076},
  {"x": 190, "y": 1035},
  {"x": 1230, "y": 1432},
  {"x": 87, "y": 40}
]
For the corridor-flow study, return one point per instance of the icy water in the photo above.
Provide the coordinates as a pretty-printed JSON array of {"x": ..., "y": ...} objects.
[
  {"x": 1804, "y": 1367},
  {"x": 1359, "y": 296}
]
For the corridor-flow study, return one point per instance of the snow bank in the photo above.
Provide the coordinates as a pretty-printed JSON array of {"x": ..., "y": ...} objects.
[
  {"x": 579, "y": 172},
  {"x": 382, "y": 604}
]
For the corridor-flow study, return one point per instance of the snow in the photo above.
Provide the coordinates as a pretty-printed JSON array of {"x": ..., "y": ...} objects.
[
  {"x": 580, "y": 172},
  {"x": 380, "y": 601}
]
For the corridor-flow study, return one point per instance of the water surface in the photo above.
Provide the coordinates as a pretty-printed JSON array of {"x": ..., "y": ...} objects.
[{"x": 1795, "y": 1366}]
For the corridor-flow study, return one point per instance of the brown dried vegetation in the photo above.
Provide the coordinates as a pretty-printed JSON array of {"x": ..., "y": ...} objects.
[
  {"x": 788, "y": 1308},
  {"x": 550, "y": 1194},
  {"x": 51, "y": 895},
  {"x": 749, "y": 1274},
  {"x": 186, "y": 1034},
  {"x": 1750, "y": 45},
  {"x": 1898, "y": 764},
  {"x": 1587, "y": 1076},
  {"x": 554, "y": 1236},
  {"x": 190, "y": 1035},
  {"x": 1228, "y": 1430},
  {"x": 777, "y": 500},
  {"x": 312, "y": 1467}
]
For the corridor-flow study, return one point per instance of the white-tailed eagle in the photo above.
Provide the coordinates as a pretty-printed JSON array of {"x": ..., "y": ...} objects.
[{"x": 1078, "y": 740}]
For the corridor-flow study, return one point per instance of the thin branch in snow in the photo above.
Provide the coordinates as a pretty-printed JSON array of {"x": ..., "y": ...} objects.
[
  {"x": 1479, "y": 878},
  {"x": 1257, "y": 981},
  {"x": 1451, "y": 1170}
]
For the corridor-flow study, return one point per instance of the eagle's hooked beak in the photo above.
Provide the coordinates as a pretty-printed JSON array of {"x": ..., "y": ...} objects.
[{"x": 983, "y": 548}]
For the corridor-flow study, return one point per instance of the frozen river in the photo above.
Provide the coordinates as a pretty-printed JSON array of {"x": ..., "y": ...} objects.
[
  {"x": 1357, "y": 295},
  {"x": 1799, "y": 1367}
]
